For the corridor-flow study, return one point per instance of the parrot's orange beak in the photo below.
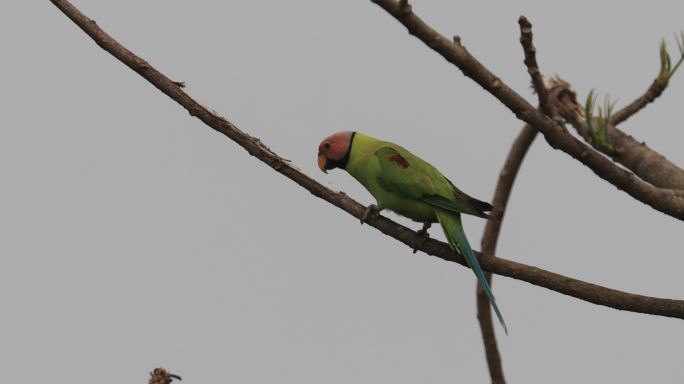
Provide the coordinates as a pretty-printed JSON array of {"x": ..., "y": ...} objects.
[{"x": 321, "y": 163}]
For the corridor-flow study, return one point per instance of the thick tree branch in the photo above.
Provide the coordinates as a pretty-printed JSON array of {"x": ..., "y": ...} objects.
[
  {"x": 636, "y": 156},
  {"x": 667, "y": 201},
  {"x": 553, "y": 281}
]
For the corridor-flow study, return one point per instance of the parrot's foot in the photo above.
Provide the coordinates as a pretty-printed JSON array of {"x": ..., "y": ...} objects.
[
  {"x": 372, "y": 209},
  {"x": 423, "y": 235}
]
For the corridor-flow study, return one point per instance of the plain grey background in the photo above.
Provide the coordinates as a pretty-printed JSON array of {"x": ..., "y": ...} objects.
[{"x": 133, "y": 236}]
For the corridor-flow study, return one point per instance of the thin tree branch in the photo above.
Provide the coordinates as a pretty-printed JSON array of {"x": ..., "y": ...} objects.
[
  {"x": 533, "y": 275},
  {"x": 531, "y": 63},
  {"x": 653, "y": 92},
  {"x": 501, "y": 194},
  {"x": 490, "y": 238},
  {"x": 667, "y": 201},
  {"x": 667, "y": 70},
  {"x": 636, "y": 156}
]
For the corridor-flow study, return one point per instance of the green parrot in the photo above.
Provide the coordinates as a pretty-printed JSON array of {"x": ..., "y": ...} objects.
[{"x": 404, "y": 183}]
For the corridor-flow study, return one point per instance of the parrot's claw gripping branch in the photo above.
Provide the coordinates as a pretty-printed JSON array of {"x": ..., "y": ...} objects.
[
  {"x": 422, "y": 236},
  {"x": 370, "y": 210}
]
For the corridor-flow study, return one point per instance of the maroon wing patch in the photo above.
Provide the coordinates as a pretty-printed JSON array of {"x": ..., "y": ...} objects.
[{"x": 396, "y": 158}]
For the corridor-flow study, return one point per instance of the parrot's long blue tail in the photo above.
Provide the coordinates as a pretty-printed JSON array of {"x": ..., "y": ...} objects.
[{"x": 453, "y": 229}]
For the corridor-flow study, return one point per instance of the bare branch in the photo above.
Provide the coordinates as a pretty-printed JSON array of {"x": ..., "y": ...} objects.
[
  {"x": 501, "y": 195},
  {"x": 565, "y": 285},
  {"x": 653, "y": 92},
  {"x": 667, "y": 201},
  {"x": 531, "y": 62},
  {"x": 490, "y": 238}
]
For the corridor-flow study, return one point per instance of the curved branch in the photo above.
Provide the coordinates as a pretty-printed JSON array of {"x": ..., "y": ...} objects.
[
  {"x": 658, "y": 86},
  {"x": 553, "y": 281},
  {"x": 490, "y": 238},
  {"x": 504, "y": 186},
  {"x": 653, "y": 92},
  {"x": 667, "y": 201}
]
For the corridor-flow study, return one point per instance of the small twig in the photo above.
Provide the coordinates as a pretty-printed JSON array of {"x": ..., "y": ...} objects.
[
  {"x": 653, "y": 92},
  {"x": 658, "y": 85},
  {"x": 531, "y": 63},
  {"x": 566, "y": 285},
  {"x": 162, "y": 376},
  {"x": 667, "y": 201}
]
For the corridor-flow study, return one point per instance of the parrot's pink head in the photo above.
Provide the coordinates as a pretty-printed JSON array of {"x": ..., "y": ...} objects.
[{"x": 333, "y": 152}]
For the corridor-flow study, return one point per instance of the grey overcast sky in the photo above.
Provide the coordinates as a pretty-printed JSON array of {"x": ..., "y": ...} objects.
[{"x": 133, "y": 236}]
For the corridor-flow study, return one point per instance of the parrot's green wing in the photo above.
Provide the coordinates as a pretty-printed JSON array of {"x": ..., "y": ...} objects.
[{"x": 408, "y": 175}]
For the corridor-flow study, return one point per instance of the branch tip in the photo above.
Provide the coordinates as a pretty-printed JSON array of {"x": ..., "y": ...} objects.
[
  {"x": 658, "y": 86},
  {"x": 530, "y": 51}
]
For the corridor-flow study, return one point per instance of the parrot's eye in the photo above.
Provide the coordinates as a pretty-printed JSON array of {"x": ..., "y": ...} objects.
[{"x": 327, "y": 145}]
